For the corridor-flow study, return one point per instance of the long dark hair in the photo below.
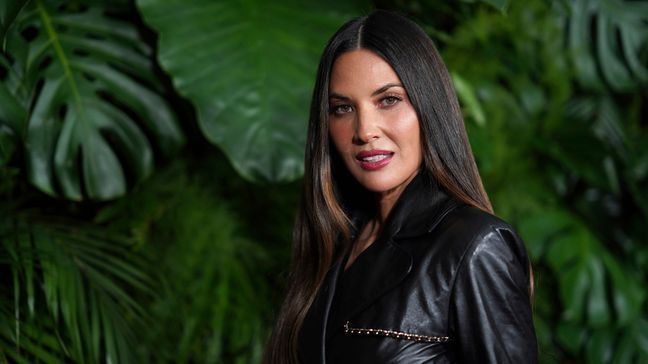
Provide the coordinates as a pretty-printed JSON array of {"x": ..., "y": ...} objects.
[{"x": 324, "y": 221}]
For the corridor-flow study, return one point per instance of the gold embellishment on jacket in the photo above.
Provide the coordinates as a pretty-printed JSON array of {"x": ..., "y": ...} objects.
[{"x": 395, "y": 334}]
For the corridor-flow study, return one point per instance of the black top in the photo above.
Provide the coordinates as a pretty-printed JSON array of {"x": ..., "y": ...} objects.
[{"x": 444, "y": 283}]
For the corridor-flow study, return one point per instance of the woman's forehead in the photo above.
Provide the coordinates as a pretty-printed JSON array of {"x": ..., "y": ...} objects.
[{"x": 362, "y": 71}]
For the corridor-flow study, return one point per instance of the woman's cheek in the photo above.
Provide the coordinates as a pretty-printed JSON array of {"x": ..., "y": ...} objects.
[{"x": 341, "y": 134}]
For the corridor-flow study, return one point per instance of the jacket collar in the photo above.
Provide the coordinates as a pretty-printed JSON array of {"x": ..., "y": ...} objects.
[{"x": 420, "y": 207}]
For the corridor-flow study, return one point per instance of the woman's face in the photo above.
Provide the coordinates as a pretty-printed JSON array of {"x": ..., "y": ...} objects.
[{"x": 372, "y": 123}]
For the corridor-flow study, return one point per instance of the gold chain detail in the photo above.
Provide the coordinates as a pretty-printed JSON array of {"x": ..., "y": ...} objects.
[{"x": 395, "y": 334}]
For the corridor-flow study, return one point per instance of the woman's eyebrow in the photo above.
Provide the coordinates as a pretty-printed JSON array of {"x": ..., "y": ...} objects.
[
  {"x": 385, "y": 88},
  {"x": 338, "y": 96}
]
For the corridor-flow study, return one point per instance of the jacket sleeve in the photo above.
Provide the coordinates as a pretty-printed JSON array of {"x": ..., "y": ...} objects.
[{"x": 490, "y": 310}]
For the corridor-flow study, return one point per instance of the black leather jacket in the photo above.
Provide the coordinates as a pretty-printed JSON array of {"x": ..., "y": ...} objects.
[{"x": 444, "y": 283}]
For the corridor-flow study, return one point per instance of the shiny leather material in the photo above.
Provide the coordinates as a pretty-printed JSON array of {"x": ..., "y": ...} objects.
[{"x": 439, "y": 269}]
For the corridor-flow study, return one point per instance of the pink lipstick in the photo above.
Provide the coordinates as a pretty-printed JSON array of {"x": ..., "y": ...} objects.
[{"x": 373, "y": 160}]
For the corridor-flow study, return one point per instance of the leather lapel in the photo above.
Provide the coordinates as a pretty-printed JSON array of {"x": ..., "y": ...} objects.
[{"x": 382, "y": 268}]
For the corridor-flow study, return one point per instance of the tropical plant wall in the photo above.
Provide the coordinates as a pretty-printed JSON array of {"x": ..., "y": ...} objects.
[{"x": 151, "y": 154}]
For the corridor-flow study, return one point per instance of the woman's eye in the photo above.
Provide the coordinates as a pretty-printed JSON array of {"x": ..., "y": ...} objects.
[
  {"x": 341, "y": 109},
  {"x": 390, "y": 100}
]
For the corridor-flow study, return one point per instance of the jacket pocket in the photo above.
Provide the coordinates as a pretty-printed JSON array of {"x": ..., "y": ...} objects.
[{"x": 350, "y": 330}]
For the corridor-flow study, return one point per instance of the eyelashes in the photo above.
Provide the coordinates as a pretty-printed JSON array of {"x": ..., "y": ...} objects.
[
  {"x": 385, "y": 102},
  {"x": 390, "y": 100},
  {"x": 340, "y": 109}
]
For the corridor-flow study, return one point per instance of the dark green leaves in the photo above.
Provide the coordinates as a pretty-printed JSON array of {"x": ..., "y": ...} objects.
[
  {"x": 8, "y": 12},
  {"x": 248, "y": 68},
  {"x": 84, "y": 99},
  {"x": 500, "y": 5},
  {"x": 11, "y": 115},
  {"x": 607, "y": 41},
  {"x": 7, "y": 144},
  {"x": 73, "y": 292},
  {"x": 565, "y": 160}
]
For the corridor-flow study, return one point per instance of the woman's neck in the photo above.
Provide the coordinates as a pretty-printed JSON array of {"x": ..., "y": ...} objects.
[{"x": 385, "y": 202}]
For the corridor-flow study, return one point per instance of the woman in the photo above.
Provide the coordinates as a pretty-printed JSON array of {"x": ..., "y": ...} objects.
[{"x": 397, "y": 257}]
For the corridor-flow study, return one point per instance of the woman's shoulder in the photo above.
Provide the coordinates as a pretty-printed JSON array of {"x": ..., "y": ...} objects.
[
  {"x": 483, "y": 241},
  {"x": 475, "y": 234},
  {"x": 474, "y": 223},
  {"x": 477, "y": 220},
  {"x": 490, "y": 312}
]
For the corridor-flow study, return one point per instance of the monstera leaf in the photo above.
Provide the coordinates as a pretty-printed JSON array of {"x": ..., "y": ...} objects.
[
  {"x": 607, "y": 40},
  {"x": 248, "y": 67},
  {"x": 598, "y": 295},
  {"x": 92, "y": 111}
]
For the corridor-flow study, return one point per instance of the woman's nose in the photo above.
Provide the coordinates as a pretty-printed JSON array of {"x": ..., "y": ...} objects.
[{"x": 366, "y": 126}]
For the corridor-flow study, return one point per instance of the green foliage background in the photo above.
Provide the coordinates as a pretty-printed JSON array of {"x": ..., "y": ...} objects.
[{"x": 150, "y": 155}]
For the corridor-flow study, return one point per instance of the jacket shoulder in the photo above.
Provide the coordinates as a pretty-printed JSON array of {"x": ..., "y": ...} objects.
[
  {"x": 467, "y": 238},
  {"x": 491, "y": 286},
  {"x": 468, "y": 229},
  {"x": 476, "y": 220}
]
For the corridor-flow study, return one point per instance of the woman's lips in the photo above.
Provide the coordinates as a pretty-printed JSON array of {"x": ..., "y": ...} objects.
[{"x": 374, "y": 159}]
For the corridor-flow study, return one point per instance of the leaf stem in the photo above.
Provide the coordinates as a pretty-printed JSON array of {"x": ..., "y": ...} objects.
[{"x": 65, "y": 63}]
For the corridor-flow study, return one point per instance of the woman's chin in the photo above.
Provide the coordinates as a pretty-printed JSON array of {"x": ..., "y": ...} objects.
[{"x": 380, "y": 184}]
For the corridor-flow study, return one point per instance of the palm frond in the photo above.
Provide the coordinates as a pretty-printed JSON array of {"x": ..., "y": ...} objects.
[{"x": 89, "y": 287}]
